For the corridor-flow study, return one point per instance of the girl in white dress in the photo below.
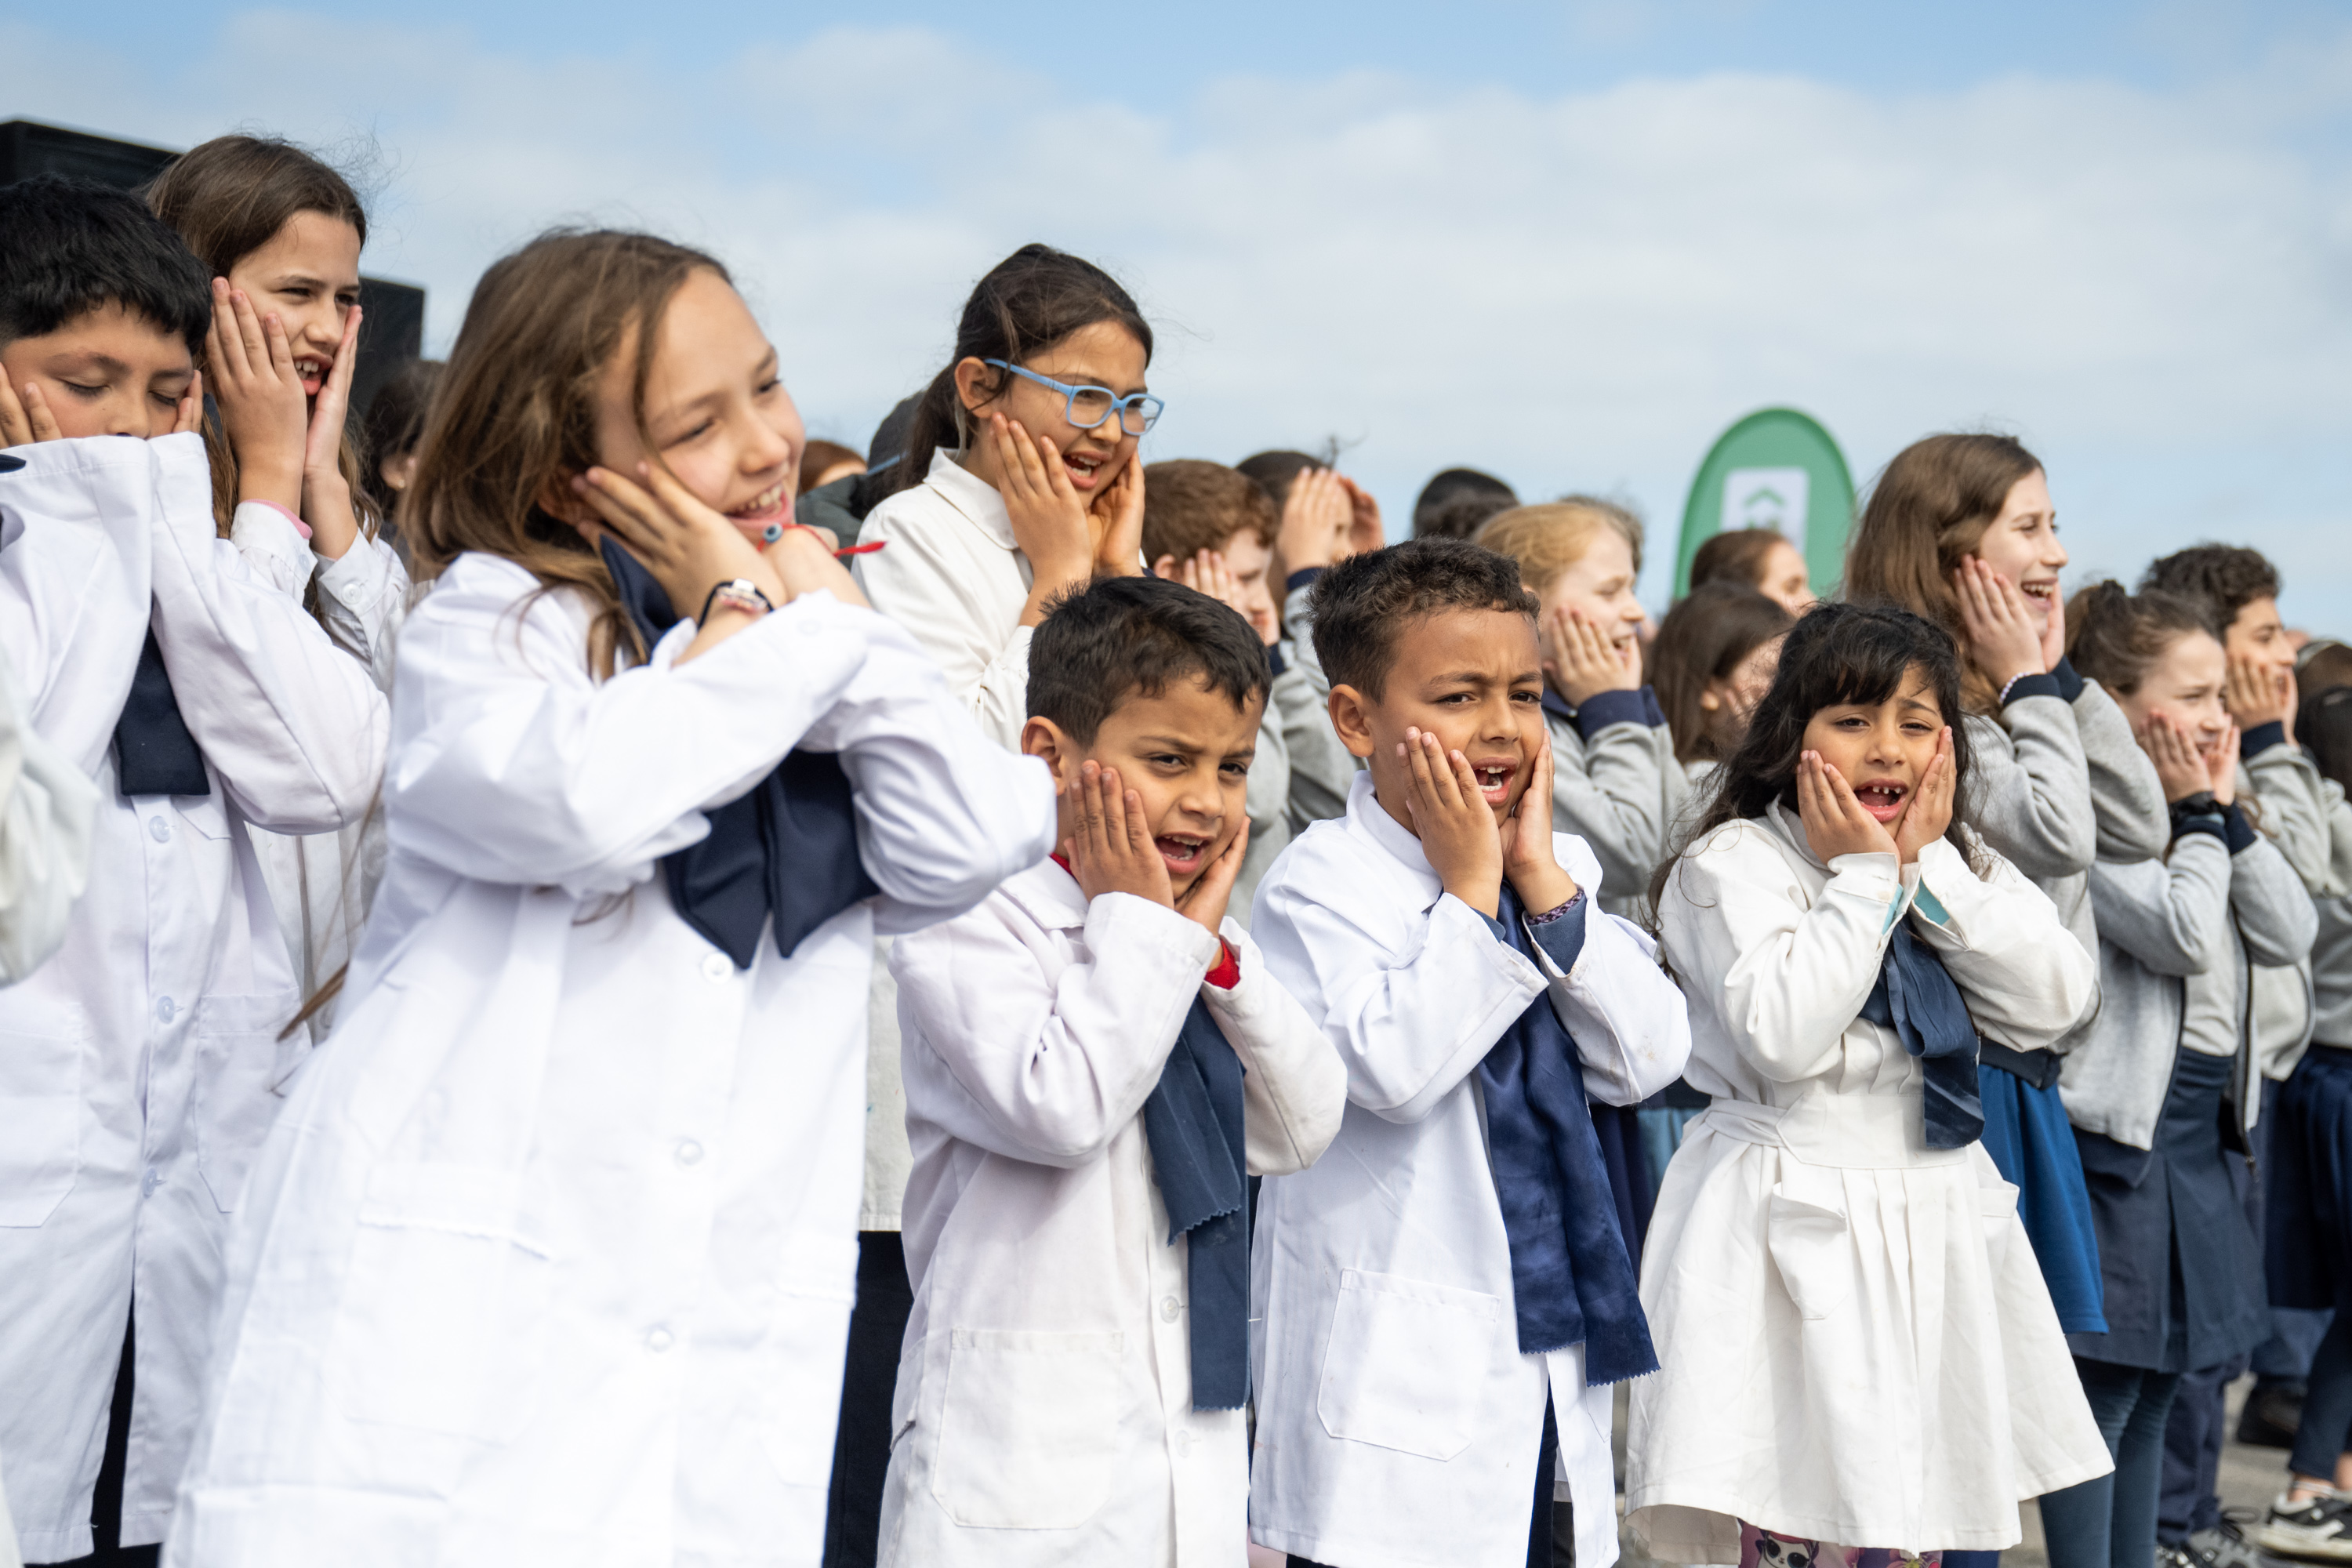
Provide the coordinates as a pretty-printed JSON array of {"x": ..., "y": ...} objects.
[{"x": 1859, "y": 1354}]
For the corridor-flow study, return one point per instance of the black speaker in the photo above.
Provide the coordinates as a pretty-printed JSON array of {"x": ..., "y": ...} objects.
[{"x": 391, "y": 334}]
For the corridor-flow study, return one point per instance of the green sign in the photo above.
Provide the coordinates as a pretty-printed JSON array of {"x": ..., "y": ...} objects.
[{"x": 1776, "y": 469}]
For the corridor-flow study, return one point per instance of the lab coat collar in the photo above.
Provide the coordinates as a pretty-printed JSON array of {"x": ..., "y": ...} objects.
[
  {"x": 1048, "y": 895},
  {"x": 1791, "y": 830},
  {"x": 1368, "y": 817},
  {"x": 972, "y": 496}
]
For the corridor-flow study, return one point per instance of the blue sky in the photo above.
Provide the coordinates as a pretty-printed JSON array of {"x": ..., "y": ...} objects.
[{"x": 1569, "y": 243}]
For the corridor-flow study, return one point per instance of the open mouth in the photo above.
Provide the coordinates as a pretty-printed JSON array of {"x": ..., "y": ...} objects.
[
  {"x": 1085, "y": 468},
  {"x": 1183, "y": 852},
  {"x": 312, "y": 370},
  {"x": 1495, "y": 780},
  {"x": 773, "y": 505},
  {"x": 2041, "y": 591},
  {"x": 1883, "y": 798}
]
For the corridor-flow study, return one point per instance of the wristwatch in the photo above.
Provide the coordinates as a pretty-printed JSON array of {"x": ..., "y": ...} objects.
[{"x": 738, "y": 593}]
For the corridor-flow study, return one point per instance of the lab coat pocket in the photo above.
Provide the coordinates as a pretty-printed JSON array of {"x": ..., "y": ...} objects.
[
  {"x": 40, "y": 1107},
  {"x": 1029, "y": 1429},
  {"x": 1405, "y": 1362},
  {"x": 205, "y": 813},
  {"x": 236, "y": 1043},
  {"x": 1811, "y": 1246},
  {"x": 435, "y": 1268},
  {"x": 804, "y": 1354},
  {"x": 1997, "y": 1205}
]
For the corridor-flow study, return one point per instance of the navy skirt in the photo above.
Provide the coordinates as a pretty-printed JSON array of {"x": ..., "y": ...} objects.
[
  {"x": 2032, "y": 1145},
  {"x": 2309, "y": 1259},
  {"x": 2180, "y": 1267}
]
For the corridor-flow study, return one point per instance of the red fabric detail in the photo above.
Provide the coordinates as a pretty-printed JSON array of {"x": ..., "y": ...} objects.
[{"x": 1226, "y": 973}]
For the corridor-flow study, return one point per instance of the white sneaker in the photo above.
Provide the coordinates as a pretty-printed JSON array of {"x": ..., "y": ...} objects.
[{"x": 2317, "y": 1530}]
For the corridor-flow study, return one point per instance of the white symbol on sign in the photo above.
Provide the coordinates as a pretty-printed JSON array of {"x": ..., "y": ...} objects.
[{"x": 1768, "y": 498}]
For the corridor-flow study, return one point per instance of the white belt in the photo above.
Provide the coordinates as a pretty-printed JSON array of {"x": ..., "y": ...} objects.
[{"x": 1844, "y": 1132}]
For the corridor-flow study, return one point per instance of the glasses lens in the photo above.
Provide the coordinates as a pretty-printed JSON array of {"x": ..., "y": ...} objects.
[
  {"x": 1090, "y": 406},
  {"x": 1140, "y": 416}
]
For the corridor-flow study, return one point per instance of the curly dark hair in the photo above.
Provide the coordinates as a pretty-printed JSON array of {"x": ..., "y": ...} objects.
[
  {"x": 2228, "y": 577},
  {"x": 1360, "y": 606}
]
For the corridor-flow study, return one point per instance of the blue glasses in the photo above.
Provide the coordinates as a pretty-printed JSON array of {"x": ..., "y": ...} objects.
[{"x": 1088, "y": 407}]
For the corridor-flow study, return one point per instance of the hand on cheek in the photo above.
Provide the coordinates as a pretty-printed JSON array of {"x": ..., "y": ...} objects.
[
  {"x": 1457, "y": 828},
  {"x": 1205, "y": 900},
  {"x": 25, "y": 421},
  {"x": 1110, "y": 849},
  {"x": 1929, "y": 811},
  {"x": 1835, "y": 822},
  {"x": 1528, "y": 862}
]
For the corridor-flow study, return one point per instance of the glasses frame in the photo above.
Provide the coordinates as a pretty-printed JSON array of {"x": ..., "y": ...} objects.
[{"x": 1147, "y": 406}]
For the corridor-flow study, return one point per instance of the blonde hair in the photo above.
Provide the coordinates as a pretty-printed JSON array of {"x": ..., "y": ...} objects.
[{"x": 1549, "y": 538}]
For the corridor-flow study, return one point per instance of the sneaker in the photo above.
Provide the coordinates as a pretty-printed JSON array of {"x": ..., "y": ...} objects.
[
  {"x": 2317, "y": 1530},
  {"x": 2225, "y": 1546},
  {"x": 2272, "y": 1413}
]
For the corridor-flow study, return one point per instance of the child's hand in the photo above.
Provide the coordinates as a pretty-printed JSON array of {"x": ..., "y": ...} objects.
[
  {"x": 690, "y": 548},
  {"x": 803, "y": 559},
  {"x": 2180, "y": 765},
  {"x": 22, "y": 423},
  {"x": 1835, "y": 822},
  {"x": 326, "y": 494},
  {"x": 1050, "y": 522},
  {"x": 1365, "y": 531},
  {"x": 1585, "y": 661},
  {"x": 2259, "y": 693},
  {"x": 1456, "y": 827},
  {"x": 1998, "y": 629},
  {"x": 1929, "y": 811},
  {"x": 1112, "y": 850},
  {"x": 1213, "y": 890},
  {"x": 2222, "y": 764},
  {"x": 1208, "y": 574},
  {"x": 1529, "y": 865},
  {"x": 1318, "y": 518},
  {"x": 259, "y": 396},
  {"x": 189, "y": 417},
  {"x": 2054, "y": 635},
  {"x": 1115, "y": 521}
]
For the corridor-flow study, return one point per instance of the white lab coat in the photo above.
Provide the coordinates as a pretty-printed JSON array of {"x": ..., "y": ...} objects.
[
  {"x": 1855, "y": 1342},
  {"x": 953, "y": 577},
  {"x": 1044, "y": 1412},
  {"x": 1397, "y": 1421},
  {"x": 136, "y": 1068},
  {"x": 550, "y": 1257},
  {"x": 46, "y": 805}
]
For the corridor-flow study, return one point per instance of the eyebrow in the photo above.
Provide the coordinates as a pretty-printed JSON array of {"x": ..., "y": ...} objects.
[
  {"x": 1921, "y": 703},
  {"x": 1086, "y": 378}
]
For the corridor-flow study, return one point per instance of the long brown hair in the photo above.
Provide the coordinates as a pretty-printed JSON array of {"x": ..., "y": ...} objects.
[
  {"x": 515, "y": 416},
  {"x": 228, "y": 198},
  {"x": 1931, "y": 507},
  {"x": 1702, "y": 640}
]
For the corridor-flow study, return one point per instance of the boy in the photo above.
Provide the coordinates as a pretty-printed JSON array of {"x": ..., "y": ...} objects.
[
  {"x": 2305, "y": 814},
  {"x": 1213, "y": 528},
  {"x": 1092, "y": 1057},
  {"x": 137, "y": 1067},
  {"x": 1434, "y": 1292}
]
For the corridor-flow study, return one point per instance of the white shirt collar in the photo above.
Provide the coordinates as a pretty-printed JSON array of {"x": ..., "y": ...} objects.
[
  {"x": 974, "y": 498},
  {"x": 1369, "y": 817},
  {"x": 1048, "y": 895}
]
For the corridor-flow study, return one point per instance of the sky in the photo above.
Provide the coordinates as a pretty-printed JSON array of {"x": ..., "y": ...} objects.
[{"x": 1567, "y": 243}]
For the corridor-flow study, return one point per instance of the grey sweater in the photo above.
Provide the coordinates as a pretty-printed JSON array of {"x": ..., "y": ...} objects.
[
  {"x": 2306, "y": 815},
  {"x": 1615, "y": 784},
  {"x": 1301, "y": 774}
]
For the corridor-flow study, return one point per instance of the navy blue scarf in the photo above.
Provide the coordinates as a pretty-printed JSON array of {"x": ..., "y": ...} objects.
[
  {"x": 787, "y": 849},
  {"x": 1193, "y": 1124},
  {"x": 1916, "y": 998},
  {"x": 154, "y": 752},
  {"x": 1572, "y": 1280}
]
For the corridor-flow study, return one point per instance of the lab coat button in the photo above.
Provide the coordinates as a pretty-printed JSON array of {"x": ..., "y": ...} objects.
[
  {"x": 689, "y": 1152},
  {"x": 150, "y": 1182},
  {"x": 164, "y": 1008},
  {"x": 1168, "y": 1307},
  {"x": 1184, "y": 1442},
  {"x": 159, "y": 830},
  {"x": 717, "y": 967},
  {"x": 659, "y": 1341}
]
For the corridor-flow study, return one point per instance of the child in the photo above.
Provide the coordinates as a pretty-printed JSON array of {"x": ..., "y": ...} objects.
[
  {"x": 1859, "y": 1350},
  {"x": 1213, "y": 528},
  {"x": 2166, "y": 1073},
  {"x": 394, "y": 428},
  {"x": 45, "y": 807},
  {"x": 1020, "y": 480},
  {"x": 1083, "y": 1106},
  {"x": 1615, "y": 780},
  {"x": 1711, "y": 664},
  {"x": 1960, "y": 530},
  {"x": 1757, "y": 558},
  {"x": 550, "y": 1255},
  {"x": 142, "y": 1060},
  {"x": 1457, "y": 503},
  {"x": 1447, "y": 1295}
]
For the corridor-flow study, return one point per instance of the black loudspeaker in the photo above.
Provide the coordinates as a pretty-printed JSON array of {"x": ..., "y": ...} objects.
[{"x": 393, "y": 332}]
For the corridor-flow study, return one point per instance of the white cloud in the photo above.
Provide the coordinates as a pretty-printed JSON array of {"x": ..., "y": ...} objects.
[{"x": 1577, "y": 291}]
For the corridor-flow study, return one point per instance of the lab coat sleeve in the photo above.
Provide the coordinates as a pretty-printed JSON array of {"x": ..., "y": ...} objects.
[
  {"x": 2032, "y": 797},
  {"x": 1629, "y": 1021},
  {"x": 943, "y": 813},
  {"x": 2272, "y": 906},
  {"x": 364, "y": 597},
  {"x": 2169, "y": 914},
  {"x": 46, "y": 805},
  {"x": 2026, "y": 979},
  {"x": 1411, "y": 1025},
  {"x": 1049, "y": 1072},
  {"x": 1785, "y": 980},
  {"x": 272, "y": 547},
  {"x": 986, "y": 664},
  {"x": 2126, "y": 797},
  {"x": 295, "y": 733},
  {"x": 514, "y": 765},
  {"x": 1617, "y": 789},
  {"x": 1293, "y": 1084}
]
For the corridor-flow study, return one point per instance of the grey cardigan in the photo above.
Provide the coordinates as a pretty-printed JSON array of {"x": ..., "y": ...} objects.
[
  {"x": 1301, "y": 773},
  {"x": 2306, "y": 815},
  {"x": 1616, "y": 784}
]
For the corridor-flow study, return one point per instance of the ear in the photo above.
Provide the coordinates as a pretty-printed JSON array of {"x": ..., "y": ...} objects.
[
  {"x": 977, "y": 384},
  {"x": 558, "y": 500},
  {"x": 1708, "y": 701},
  {"x": 1352, "y": 717},
  {"x": 1044, "y": 739},
  {"x": 1164, "y": 567}
]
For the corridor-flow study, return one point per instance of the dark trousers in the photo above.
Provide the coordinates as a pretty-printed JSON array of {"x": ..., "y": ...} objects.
[
  {"x": 2326, "y": 1430},
  {"x": 2110, "y": 1522},
  {"x": 106, "y": 1501},
  {"x": 1551, "y": 1526},
  {"x": 2192, "y": 1499},
  {"x": 861, "y": 1439}
]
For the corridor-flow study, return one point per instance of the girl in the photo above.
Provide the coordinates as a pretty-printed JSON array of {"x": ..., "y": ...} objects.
[
  {"x": 2181, "y": 1268},
  {"x": 1020, "y": 480},
  {"x": 1859, "y": 1352},
  {"x": 393, "y": 428},
  {"x": 550, "y": 1258},
  {"x": 1960, "y": 530},
  {"x": 1757, "y": 558},
  {"x": 1711, "y": 664},
  {"x": 280, "y": 233}
]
